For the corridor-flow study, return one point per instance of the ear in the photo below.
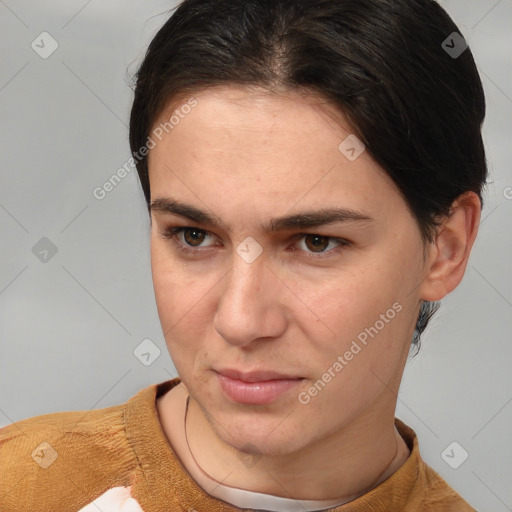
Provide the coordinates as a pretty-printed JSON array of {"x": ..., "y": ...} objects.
[{"x": 448, "y": 255}]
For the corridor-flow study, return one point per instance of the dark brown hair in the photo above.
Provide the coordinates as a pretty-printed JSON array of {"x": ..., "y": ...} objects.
[{"x": 384, "y": 64}]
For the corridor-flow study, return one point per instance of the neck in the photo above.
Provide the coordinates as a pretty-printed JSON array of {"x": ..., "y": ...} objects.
[{"x": 343, "y": 466}]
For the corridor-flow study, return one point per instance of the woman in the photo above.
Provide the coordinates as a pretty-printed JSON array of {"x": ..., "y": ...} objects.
[{"x": 313, "y": 172}]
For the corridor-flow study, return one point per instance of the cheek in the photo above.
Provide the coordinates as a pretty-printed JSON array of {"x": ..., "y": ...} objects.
[
  {"x": 164, "y": 279},
  {"x": 367, "y": 311},
  {"x": 347, "y": 301},
  {"x": 183, "y": 311},
  {"x": 175, "y": 285}
]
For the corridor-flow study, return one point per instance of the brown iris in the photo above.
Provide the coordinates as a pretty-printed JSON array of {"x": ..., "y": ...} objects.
[
  {"x": 319, "y": 242},
  {"x": 196, "y": 237}
]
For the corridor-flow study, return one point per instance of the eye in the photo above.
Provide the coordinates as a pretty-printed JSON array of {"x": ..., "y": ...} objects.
[
  {"x": 186, "y": 237},
  {"x": 189, "y": 240},
  {"x": 319, "y": 244}
]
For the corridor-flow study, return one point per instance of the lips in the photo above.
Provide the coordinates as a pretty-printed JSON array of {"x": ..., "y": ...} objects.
[
  {"x": 255, "y": 376},
  {"x": 256, "y": 387}
]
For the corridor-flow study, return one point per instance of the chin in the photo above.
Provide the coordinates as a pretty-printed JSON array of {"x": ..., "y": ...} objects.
[
  {"x": 259, "y": 445},
  {"x": 260, "y": 435}
]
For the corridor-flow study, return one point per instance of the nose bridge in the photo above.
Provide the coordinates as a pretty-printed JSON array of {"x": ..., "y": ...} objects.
[
  {"x": 248, "y": 266},
  {"x": 246, "y": 281},
  {"x": 247, "y": 308}
]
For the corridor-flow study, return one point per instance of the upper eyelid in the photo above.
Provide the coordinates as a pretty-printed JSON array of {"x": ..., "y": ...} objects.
[
  {"x": 299, "y": 234},
  {"x": 203, "y": 230},
  {"x": 176, "y": 230}
]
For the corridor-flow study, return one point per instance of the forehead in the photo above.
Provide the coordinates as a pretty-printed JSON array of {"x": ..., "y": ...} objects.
[
  {"x": 248, "y": 116},
  {"x": 263, "y": 151}
]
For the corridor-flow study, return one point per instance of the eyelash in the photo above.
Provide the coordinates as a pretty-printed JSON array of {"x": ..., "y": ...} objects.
[{"x": 172, "y": 234}]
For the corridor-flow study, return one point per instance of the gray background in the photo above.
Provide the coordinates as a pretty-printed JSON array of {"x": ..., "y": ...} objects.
[{"x": 70, "y": 321}]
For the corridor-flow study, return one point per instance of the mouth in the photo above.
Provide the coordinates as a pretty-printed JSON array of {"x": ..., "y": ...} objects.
[{"x": 256, "y": 387}]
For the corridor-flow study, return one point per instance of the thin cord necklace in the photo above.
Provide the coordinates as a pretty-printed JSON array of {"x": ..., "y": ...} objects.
[
  {"x": 190, "y": 451},
  {"x": 225, "y": 485}
]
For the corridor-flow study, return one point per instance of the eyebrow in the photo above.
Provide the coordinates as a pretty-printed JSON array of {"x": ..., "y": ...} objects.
[{"x": 306, "y": 219}]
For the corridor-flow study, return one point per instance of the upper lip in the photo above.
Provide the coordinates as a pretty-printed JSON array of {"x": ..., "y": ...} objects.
[{"x": 254, "y": 376}]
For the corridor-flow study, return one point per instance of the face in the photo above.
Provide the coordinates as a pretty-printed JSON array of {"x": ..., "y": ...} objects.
[{"x": 292, "y": 257}]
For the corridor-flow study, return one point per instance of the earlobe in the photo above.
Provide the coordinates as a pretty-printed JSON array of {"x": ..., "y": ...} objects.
[{"x": 449, "y": 255}]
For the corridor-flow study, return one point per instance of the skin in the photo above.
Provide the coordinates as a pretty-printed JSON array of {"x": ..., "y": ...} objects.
[{"x": 246, "y": 156}]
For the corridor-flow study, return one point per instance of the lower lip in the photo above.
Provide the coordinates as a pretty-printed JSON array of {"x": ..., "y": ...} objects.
[{"x": 255, "y": 393}]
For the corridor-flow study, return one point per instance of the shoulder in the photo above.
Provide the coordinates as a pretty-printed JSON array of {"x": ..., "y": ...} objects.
[
  {"x": 426, "y": 490},
  {"x": 439, "y": 496},
  {"x": 63, "y": 457}
]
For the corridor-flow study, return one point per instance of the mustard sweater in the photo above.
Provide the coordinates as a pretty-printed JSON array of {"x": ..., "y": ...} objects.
[{"x": 63, "y": 461}]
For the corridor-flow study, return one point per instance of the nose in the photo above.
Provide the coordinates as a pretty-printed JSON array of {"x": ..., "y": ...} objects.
[{"x": 249, "y": 306}]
